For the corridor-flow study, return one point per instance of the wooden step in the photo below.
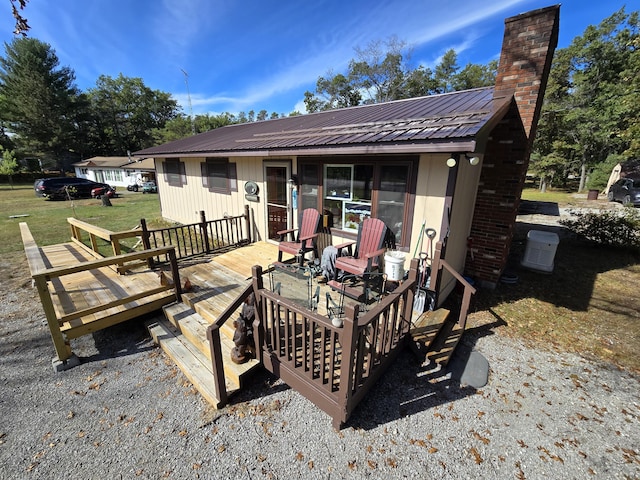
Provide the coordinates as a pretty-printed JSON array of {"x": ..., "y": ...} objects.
[
  {"x": 210, "y": 309},
  {"x": 425, "y": 330},
  {"x": 442, "y": 350},
  {"x": 194, "y": 328},
  {"x": 189, "y": 359}
]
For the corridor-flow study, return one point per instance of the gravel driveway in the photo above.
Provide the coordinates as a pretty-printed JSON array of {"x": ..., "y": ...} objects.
[{"x": 127, "y": 412}]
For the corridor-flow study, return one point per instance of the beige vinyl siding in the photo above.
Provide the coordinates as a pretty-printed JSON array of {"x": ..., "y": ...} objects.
[
  {"x": 431, "y": 189},
  {"x": 183, "y": 204},
  {"x": 461, "y": 218}
]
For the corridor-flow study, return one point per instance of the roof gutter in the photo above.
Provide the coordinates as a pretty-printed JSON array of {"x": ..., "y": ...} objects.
[{"x": 467, "y": 145}]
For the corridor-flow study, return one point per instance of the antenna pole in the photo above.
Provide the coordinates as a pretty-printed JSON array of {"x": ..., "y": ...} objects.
[{"x": 186, "y": 81}]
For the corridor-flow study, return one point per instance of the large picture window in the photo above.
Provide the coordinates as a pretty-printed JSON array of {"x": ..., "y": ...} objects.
[{"x": 348, "y": 192}]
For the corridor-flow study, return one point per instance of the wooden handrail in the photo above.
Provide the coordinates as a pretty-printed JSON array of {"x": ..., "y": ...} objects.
[
  {"x": 438, "y": 265},
  {"x": 114, "y": 238},
  {"x": 35, "y": 258},
  {"x": 213, "y": 336},
  {"x": 105, "y": 262}
]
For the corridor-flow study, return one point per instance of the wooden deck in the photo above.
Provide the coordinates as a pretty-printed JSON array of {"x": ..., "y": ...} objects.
[{"x": 201, "y": 296}]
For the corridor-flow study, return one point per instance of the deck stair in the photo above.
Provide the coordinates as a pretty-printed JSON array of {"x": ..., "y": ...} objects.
[
  {"x": 433, "y": 337},
  {"x": 445, "y": 344},
  {"x": 183, "y": 337}
]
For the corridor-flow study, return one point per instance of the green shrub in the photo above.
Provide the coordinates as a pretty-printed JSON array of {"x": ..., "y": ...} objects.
[{"x": 612, "y": 228}]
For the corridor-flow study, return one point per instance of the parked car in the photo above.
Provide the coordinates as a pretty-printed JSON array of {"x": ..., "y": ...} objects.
[
  {"x": 108, "y": 190},
  {"x": 65, "y": 187},
  {"x": 134, "y": 187},
  {"x": 149, "y": 187},
  {"x": 625, "y": 190}
]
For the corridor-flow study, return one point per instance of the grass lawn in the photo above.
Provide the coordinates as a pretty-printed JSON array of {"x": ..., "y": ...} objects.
[
  {"x": 47, "y": 219},
  {"x": 590, "y": 304}
]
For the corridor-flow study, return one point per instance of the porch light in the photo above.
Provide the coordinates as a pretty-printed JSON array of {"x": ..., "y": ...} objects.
[
  {"x": 473, "y": 160},
  {"x": 452, "y": 161}
]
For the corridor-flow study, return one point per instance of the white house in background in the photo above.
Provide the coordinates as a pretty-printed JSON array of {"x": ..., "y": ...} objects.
[{"x": 119, "y": 172}]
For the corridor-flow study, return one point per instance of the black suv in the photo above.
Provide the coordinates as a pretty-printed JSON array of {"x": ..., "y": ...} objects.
[
  {"x": 625, "y": 190},
  {"x": 65, "y": 187}
]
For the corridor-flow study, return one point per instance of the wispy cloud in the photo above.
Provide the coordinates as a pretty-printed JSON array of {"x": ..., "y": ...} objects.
[
  {"x": 332, "y": 46},
  {"x": 178, "y": 25}
]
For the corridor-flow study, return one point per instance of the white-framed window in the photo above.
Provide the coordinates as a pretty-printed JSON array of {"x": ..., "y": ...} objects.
[{"x": 347, "y": 194}]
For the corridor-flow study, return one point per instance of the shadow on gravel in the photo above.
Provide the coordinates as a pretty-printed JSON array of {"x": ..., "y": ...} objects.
[
  {"x": 408, "y": 387},
  {"x": 127, "y": 338}
]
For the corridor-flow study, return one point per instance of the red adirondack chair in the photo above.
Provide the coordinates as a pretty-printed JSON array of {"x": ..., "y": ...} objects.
[
  {"x": 307, "y": 239},
  {"x": 366, "y": 259}
]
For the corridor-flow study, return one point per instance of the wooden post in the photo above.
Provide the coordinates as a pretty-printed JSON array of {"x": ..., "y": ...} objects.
[
  {"x": 204, "y": 232},
  {"x": 145, "y": 240},
  {"x": 349, "y": 339},
  {"x": 75, "y": 232},
  {"x": 63, "y": 349},
  {"x": 247, "y": 222},
  {"x": 94, "y": 242},
  {"x": 213, "y": 335},
  {"x": 258, "y": 327},
  {"x": 175, "y": 273}
]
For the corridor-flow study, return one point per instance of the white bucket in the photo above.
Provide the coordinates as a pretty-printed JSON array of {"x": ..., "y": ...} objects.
[{"x": 394, "y": 265}]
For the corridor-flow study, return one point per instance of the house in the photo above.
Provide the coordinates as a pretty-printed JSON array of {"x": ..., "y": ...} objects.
[
  {"x": 116, "y": 171},
  {"x": 455, "y": 162}
]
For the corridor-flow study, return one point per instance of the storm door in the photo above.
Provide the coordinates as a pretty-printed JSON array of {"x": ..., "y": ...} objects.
[{"x": 278, "y": 206}]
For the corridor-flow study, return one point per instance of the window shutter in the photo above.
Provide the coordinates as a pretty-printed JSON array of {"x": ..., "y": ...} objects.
[
  {"x": 183, "y": 173},
  {"x": 233, "y": 177},
  {"x": 165, "y": 173},
  {"x": 204, "y": 172}
]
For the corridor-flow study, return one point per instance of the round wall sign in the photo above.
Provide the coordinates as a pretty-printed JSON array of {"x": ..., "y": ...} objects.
[{"x": 251, "y": 188}]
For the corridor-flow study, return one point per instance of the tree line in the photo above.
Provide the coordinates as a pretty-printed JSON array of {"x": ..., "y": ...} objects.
[{"x": 590, "y": 119}]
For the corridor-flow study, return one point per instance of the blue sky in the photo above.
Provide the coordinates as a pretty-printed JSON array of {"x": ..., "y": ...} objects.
[{"x": 264, "y": 54}]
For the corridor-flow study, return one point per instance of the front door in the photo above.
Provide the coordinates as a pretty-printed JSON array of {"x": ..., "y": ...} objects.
[{"x": 278, "y": 209}]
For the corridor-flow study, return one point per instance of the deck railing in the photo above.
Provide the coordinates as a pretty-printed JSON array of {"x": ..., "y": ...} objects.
[
  {"x": 65, "y": 324},
  {"x": 439, "y": 265},
  {"x": 206, "y": 236},
  {"x": 79, "y": 230},
  {"x": 333, "y": 366}
]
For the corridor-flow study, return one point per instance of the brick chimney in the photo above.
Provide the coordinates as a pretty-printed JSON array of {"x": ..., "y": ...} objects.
[
  {"x": 525, "y": 61},
  {"x": 529, "y": 42}
]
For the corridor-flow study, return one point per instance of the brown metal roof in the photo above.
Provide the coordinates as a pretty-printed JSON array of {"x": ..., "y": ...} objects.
[{"x": 447, "y": 122}]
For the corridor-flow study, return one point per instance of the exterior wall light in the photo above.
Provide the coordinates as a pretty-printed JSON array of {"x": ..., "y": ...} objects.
[
  {"x": 473, "y": 160},
  {"x": 452, "y": 161}
]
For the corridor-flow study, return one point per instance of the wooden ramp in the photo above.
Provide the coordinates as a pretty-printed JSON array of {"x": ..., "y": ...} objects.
[{"x": 82, "y": 292}]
